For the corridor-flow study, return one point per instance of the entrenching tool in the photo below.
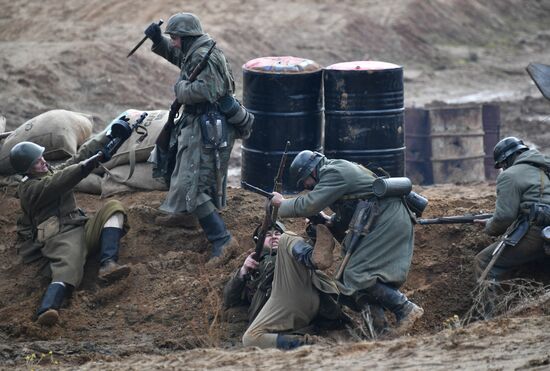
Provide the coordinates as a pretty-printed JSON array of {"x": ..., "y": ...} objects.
[{"x": 540, "y": 73}]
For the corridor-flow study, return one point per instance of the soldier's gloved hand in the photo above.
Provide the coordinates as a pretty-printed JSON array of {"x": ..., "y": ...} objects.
[
  {"x": 154, "y": 33},
  {"x": 250, "y": 264},
  {"x": 87, "y": 166}
]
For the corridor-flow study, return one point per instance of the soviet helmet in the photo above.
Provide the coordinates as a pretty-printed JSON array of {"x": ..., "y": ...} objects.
[
  {"x": 278, "y": 226},
  {"x": 505, "y": 148},
  {"x": 303, "y": 165},
  {"x": 184, "y": 24},
  {"x": 23, "y": 155}
]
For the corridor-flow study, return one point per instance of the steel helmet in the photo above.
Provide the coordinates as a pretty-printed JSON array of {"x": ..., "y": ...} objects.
[
  {"x": 184, "y": 24},
  {"x": 303, "y": 165},
  {"x": 23, "y": 155},
  {"x": 505, "y": 148}
]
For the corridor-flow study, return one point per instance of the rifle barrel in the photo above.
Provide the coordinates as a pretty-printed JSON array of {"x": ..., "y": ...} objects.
[
  {"x": 460, "y": 219},
  {"x": 251, "y": 188}
]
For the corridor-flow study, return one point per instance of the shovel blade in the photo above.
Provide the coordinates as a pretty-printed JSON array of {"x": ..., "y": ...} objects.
[{"x": 540, "y": 73}]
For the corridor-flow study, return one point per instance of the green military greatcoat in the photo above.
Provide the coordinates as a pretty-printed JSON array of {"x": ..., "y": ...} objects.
[
  {"x": 385, "y": 254},
  {"x": 518, "y": 187},
  {"x": 193, "y": 180}
]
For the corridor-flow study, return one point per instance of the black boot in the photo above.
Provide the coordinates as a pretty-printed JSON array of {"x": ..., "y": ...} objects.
[
  {"x": 47, "y": 313},
  {"x": 216, "y": 232},
  {"x": 406, "y": 312},
  {"x": 109, "y": 269},
  {"x": 287, "y": 342}
]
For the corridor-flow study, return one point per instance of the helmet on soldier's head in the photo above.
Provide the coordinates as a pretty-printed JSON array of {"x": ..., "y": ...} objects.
[
  {"x": 303, "y": 165},
  {"x": 184, "y": 24},
  {"x": 505, "y": 148},
  {"x": 278, "y": 226},
  {"x": 23, "y": 155}
]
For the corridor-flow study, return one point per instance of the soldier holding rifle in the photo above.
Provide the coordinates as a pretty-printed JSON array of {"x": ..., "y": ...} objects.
[
  {"x": 193, "y": 152},
  {"x": 522, "y": 210},
  {"x": 381, "y": 255}
]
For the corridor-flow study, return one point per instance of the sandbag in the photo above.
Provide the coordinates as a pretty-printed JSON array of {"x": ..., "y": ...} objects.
[
  {"x": 91, "y": 184},
  {"x": 142, "y": 180},
  {"x": 61, "y": 132},
  {"x": 154, "y": 123}
]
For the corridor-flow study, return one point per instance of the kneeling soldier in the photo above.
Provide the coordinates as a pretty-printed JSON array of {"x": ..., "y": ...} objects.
[{"x": 54, "y": 228}]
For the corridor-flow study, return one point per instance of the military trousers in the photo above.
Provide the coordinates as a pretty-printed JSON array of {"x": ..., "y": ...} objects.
[
  {"x": 528, "y": 249},
  {"x": 67, "y": 250},
  {"x": 293, "y": 304}
]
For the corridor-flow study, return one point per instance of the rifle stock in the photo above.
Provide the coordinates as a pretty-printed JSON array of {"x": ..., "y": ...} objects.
[{"x": 459, "y": 219}]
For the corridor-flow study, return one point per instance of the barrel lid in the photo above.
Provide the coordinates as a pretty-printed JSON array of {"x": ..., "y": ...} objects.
[
  {"x": 284, "y": 64},
  {"x": 363, "y": 66}
]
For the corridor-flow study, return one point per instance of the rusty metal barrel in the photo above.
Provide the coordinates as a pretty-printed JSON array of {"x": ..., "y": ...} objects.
[
  {"x": 364, "y": 115},
  {"x": 285, "y": 96}
]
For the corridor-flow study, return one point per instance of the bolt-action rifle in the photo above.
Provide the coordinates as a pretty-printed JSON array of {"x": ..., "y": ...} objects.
[
  {"x": 460, "y": 219},
  {"x": 271, "y": 212},
  {"x": 163, "y": 140}
]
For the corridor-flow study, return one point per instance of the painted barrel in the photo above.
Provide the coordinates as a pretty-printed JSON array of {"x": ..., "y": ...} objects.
[
  {"x": 457, "y": 144},
  {"x": 364, "y": 115},
  {"x": 285, "y": 96}
]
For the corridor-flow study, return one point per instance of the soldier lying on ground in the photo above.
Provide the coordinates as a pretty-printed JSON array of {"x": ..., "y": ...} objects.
[
  {"x": 52, "y": 229},
  {"x": 522, "y": 209},
  {"x": 298, "y": 295},
  {"x": 381, "y": 262},
  {"x": 251, "y": 284}
]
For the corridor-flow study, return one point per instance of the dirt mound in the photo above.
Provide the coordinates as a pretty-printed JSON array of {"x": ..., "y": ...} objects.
[{"x": 172, "y": 300}]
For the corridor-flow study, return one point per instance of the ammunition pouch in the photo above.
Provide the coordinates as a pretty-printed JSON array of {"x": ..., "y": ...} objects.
[
  {"x": 539, "y": 215},
  {"x": 213, "y": 129},
  {"x": 47, "y": 229},
  {"x": 196, "y": 109},
  {"x": 237, "y": 115},
  {"x": 519, "y": 230}
]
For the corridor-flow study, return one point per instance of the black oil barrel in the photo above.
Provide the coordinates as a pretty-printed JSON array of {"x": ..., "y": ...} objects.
[
  {"x": 364, "y": 115},
  {"x": 285, "y": 96}
]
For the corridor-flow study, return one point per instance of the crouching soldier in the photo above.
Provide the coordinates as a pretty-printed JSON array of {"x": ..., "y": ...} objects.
[
  {"x": 522, "y": 210},
  {"x": 54, "y": 228},
  {"x": 300, "y": 293}
]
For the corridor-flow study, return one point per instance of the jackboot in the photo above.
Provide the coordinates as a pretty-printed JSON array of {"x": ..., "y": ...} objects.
[
  {"x": 288, "y": 342},
  {"x": 48, "y": 311},
  {"x": 216, "y": 232},
  {"x": 109, "y": 269},
  {"x": 406, "y": 312},
  {"x": 324, "y": 245},
  {"x": 185, "y": 220}
]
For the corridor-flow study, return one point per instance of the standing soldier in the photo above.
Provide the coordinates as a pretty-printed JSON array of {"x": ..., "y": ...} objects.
[
  {"x": 190, "y": 163},
  {"x": 522, "y": 209},
  {"x": 54, "y": 228},
  {"x": 381, "y": 261}
]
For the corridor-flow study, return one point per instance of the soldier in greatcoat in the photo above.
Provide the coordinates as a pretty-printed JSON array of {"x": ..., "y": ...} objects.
[
  {"x": 190, "y": 165},
  {"x": 380, "y": 263}
]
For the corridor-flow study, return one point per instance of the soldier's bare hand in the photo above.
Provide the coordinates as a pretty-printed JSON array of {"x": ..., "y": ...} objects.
[
  {"x": 481, "y": 221},
  {"x": 277, "y": 199},
  {"x": 250, "y": 264}
]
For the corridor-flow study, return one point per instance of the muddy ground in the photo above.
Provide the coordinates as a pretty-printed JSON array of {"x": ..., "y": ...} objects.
[{"x": 72, "y": 55}]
